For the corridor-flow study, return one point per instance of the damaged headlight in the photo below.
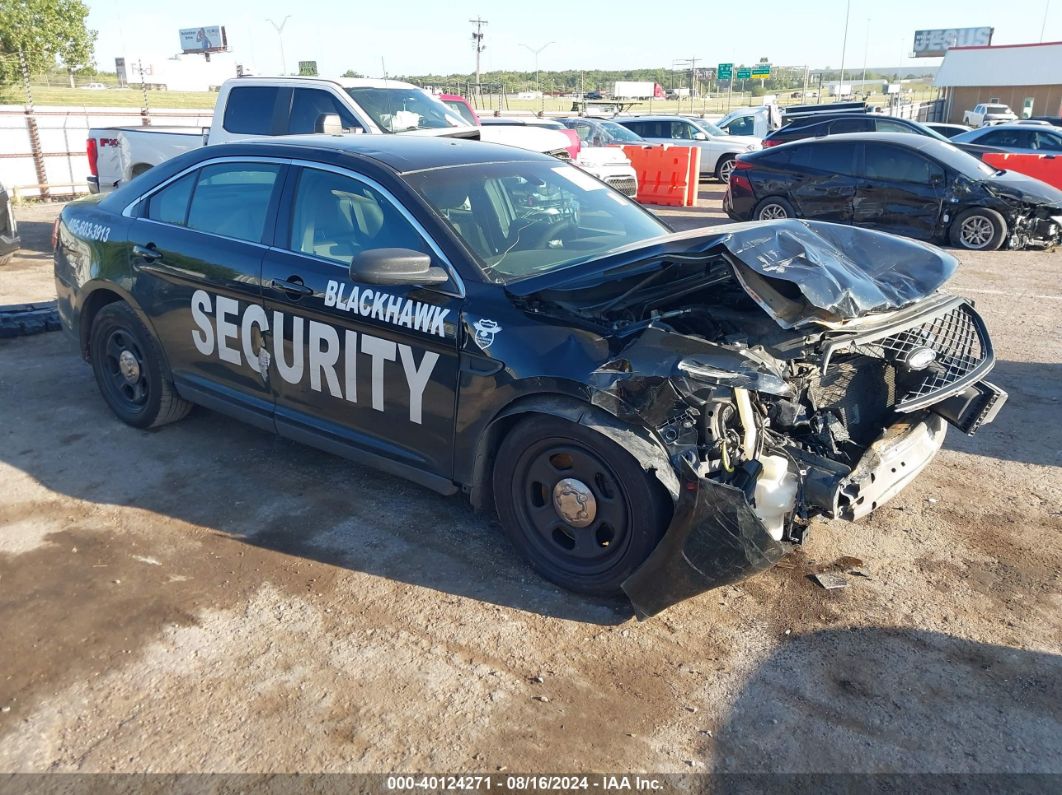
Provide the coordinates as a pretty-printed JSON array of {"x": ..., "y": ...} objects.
[{"x": 753, "y": 380}]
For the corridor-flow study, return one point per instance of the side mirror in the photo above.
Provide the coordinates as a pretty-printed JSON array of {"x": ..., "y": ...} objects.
[
  {"x": 395, "y": 266},
  {"x": 329, "y": 124},
  {"x": 699, "y": 136}
]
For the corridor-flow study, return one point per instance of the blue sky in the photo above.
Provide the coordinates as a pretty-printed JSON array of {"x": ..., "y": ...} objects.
[{"x": 421, "y": 36}]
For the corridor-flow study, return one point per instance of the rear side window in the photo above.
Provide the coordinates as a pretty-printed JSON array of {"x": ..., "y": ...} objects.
[
  {"x": 249, "y": 110},
  {"x": 833, "y": 157},
  {"x": 893, "y": 164},
  {"x": 308, "y": 107},
  {"x": 1048, "y": 142},
  {"x": 232, "y": 199},
  {"x": 1016, "y": 139},
  {"x": 888, "y": 125},
  {"x": 849, "y": 126},
  {"x": 170, "y": 205}
]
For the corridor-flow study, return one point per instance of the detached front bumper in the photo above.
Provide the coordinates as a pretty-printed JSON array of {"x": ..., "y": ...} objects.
[{"x": 714, "y": 539}]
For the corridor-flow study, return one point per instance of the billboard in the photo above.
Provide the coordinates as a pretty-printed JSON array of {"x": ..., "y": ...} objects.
[
  {"x": 934, "y": 43},
  {"x": 209, "y": 39}
]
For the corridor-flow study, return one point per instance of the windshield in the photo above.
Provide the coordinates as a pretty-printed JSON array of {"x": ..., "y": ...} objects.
[
  {"x": 523, "y": 219},
  {"x": 403, "y": 109},
  {"x": 461, "y": 109},
  {"x": 707, "y": 126},
  {"x": 967, "y": 165},
  {"x": 617, "y": 132}
]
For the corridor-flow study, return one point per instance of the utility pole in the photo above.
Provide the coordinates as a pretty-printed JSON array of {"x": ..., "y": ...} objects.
[
  {"x": 866, "y": 47},
  {"x": 1043, "y": 25},
  {"x": 280, "y": 35},
  {"x": 477, "y": 43},
  {"x": 692, "y": 64}
]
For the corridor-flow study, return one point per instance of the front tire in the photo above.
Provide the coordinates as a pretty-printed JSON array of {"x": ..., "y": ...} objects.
[
  {"x": 979, "y": 229},
  {"x": 577, "y": 505},
  {"x": 128, "y": 365},
  {"x": 773, "y": 208}
]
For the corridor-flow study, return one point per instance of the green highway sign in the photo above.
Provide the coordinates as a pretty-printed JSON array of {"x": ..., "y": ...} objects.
[
  {"x": 744, "y": 73},
  {"x": 724, "y": 71},
  {"x": 762, "y": 70}
]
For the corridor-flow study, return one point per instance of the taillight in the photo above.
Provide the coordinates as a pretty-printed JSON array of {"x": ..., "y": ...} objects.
[
  {"x": 767, "y": 142},
  {"x": 55, "y": 233},
  {"x": 90, "y": 150}
]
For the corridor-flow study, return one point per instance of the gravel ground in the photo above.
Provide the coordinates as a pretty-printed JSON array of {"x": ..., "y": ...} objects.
[{"x": 210, "y": 598}]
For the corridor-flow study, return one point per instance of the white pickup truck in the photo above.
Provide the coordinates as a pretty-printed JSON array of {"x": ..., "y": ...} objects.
[
  {"x": 987, "y": 113},
  {"x": 262, "y": 107}
]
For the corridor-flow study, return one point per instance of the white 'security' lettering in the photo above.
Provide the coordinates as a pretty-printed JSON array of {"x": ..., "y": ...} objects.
[
  {"x": 317, "y": 351},
  {"x": 389, "y": 308}
]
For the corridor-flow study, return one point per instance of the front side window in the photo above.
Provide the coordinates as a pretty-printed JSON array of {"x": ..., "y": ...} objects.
[
  {"x": 886, "y": 125},
  {"x": 1047, "y": 142},
  {"x": 461, "y": 109},
  {"x": 617, "y": 133},
  {"x": 892, "y": 164},
  {"x": 744, "y": 125},
  {"x": 526, "y": 218},
  {"x": 232, "y": 199},
  {"x": 310, "y": 105},
  {"x": 1013, "y": 139},
  {"x": 404, "y": 109},
  {"x": 682, "y": 130},
  {"x": 832, "y": 157},
  {"x": 249, "y": 110},
  {"x": 336, "y": 217}
]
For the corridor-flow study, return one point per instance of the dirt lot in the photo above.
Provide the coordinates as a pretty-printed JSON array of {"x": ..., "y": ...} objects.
[{"x": 210, "y": 598}]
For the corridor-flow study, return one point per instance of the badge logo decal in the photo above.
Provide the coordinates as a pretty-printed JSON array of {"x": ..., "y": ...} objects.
[{"x": 485, "y": 331}]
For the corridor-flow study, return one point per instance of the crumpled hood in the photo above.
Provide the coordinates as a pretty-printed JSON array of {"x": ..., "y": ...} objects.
[
  {"x": 799, "y": 272},
  {"x": 1024, "y": 188}
]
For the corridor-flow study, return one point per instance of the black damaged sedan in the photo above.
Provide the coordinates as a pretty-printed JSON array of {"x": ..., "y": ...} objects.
[
  {"x": 899, "y": 183},
  {"x": 654, "y": 412}
]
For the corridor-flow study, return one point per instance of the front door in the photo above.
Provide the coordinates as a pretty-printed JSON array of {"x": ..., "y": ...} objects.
[
  {"x": 903, "y": 192},
  {"x": 197, "y": 247},
  {"x": 358, "y": 367}
]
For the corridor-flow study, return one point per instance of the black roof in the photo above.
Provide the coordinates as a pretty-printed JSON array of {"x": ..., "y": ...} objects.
[
  {"x": 403, "y": 153},
  {"x": 814, "y": 118},
  {"x": 903, "y": 139}
]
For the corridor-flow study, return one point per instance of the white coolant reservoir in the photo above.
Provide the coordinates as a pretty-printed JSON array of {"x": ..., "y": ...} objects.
[{"x": 776, "y": 490}]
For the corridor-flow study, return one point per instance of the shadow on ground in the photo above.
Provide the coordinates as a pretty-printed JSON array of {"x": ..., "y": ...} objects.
[
  {"x": 1026, "y": 428},
  {"x": 979, "y": 708},
  {"x": 215, "y": 473}
]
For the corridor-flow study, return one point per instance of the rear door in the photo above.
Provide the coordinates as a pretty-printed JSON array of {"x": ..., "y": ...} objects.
[
  {"x": 358, "y": 367},
  {"x": 824, "y": 179},
  {"x": 197, "y": 247},
  {"x": 902, "y": 192}
]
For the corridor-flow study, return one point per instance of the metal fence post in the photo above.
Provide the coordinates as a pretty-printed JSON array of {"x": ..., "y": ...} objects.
[{"x": 34, "y": 133}]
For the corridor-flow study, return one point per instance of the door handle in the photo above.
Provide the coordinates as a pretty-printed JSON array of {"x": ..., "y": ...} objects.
[
  {"x": 147, "y": 253},
  {"x": 293, "y": 287}
]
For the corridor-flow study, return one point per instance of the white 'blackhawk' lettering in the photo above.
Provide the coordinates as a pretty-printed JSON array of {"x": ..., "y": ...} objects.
[
  {"x": 389, "y": 308},
  {"x": 316, "y": 348}
]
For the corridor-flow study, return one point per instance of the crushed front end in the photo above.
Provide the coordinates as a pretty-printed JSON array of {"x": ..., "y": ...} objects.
[{"x": 779, "y": 396}]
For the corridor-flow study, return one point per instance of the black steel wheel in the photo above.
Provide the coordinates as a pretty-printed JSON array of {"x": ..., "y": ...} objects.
[
  {"x": 576, "y": 504},
  {"x": 127, "y": 363}
]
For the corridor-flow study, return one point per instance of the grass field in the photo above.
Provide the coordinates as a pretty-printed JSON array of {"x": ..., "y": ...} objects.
[{"x": 204, "y": 100}]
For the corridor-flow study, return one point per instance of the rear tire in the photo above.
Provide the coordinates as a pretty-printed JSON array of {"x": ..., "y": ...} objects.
[
  {"x": 724, "y": 168},
  {"x": 773, "y": 208},
  {"x": 615, "y": 513},
  {"x": 979, "y": 229},
  {"x": 128, "y": 364}
]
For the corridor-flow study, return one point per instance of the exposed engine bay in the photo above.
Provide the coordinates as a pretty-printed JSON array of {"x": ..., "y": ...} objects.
[{"x": 759, "y": 366}]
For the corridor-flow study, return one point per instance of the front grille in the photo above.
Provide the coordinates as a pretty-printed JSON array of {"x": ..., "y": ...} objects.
[
  {"x": 858, "y": 390},
  {"x": 628, "y": 186},
  {"x": 956, "y": 335}
]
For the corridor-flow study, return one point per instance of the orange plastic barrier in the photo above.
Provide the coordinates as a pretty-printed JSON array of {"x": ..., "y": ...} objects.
[
  {"x": 667, "y": 175},
  {"x": 1046, "y": 168}
]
